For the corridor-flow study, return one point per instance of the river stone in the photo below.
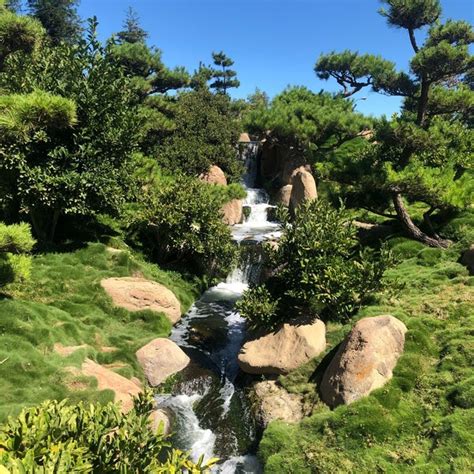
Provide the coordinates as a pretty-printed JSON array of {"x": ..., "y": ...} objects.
[
  {"x": 214, "y": 176},
  {"x": 282, "y": 351},
  {"x": 136, "y": 294},
  {"x": 232, "y": 212},
  {"x": 161, "y": 418},
  {"x": 161, "y": 358},
  {"x": 304, "y": 188},
  {"x": 292, "y": 168},
  {"x": 273, "y": 402},
  {"x": 364, "y": 361},
  {"x": 244, "y": 138}
]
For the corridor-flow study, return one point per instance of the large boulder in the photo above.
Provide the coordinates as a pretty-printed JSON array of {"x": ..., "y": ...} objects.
[
  {"x": 214, "y": 176},
  {"x": 364, "y": 361},
  {"x": 273, "y": 402},
  {"x": 283, "y": 195},
  {"x": 136, "y": 294},
  {"x": 161, "y": 358},
  {"x": 282, "y": 351},
  {"x": 467, "y": 259},
  {"x": 232, "y": 212},
  {"x": 304, "y": 188}
]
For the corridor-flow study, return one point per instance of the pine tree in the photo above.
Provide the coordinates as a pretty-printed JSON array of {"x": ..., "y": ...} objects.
[
  {"x": 59, "y": 18},
  {"x": 132, "y": 31},
  {"x": 425, "y": 154},
  {"x": 225, "y": 78}
]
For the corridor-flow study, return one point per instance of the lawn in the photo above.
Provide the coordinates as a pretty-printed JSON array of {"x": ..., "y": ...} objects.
[
  {"x": 64, "y": 303},
  {"x": 421, "y": 421}
]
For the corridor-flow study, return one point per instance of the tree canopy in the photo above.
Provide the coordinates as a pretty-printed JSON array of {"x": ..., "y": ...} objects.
[{"x": 425, "y": 154}]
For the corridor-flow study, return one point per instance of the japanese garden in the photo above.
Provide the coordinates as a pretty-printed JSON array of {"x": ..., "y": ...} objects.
[{"x": 199, "y": 280}]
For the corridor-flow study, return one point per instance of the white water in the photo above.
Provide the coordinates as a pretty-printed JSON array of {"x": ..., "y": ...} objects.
[{"x": 190, "y": 435}]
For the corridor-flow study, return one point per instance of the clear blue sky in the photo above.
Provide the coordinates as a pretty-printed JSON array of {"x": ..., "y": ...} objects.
[{"x": 274, "y": 43}]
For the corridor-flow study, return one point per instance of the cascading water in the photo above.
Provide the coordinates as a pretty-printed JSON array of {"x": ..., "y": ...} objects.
[{"x": 212, "y": 415}]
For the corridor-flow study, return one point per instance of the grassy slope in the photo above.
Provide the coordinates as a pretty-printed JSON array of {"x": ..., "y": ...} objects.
[
  {"x": 63, "y": 302},
  {"x": 421, "y": 421}
]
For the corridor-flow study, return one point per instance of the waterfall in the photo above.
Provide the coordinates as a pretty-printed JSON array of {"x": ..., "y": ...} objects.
[{"x": 210, "y": 410}]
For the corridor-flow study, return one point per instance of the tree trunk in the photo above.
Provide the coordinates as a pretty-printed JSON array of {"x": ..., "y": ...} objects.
[
  {"x": 412, "y": 230},
  {"x": 423, "y": 102}
]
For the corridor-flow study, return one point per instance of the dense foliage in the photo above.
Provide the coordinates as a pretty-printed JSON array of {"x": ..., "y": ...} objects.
[
  {"x": 17, "y": 33},
  {"x": 180, "y": 221},
  {"x": 57, "y": 437},
  {"x": 320, "y": 272},
  {"x": 425, "y": 153},
  {"x": 308, "y": 123},
  {"x": 59, "y": 18},
  {"x": 205, "y": 133},
  {"x": 69, "y": 128}
]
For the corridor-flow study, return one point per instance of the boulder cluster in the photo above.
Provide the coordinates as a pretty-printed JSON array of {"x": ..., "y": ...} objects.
[{"x": 363, "y": 362}]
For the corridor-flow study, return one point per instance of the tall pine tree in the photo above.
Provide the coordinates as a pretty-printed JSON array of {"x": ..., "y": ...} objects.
[
  {"x": 59, "y": 18},
  {"x": 224, "y": 77}
]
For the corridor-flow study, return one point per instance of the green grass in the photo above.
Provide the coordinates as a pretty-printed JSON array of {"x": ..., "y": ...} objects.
[
  {"x": 63, "y": 302},
  {"x": 421, "y": 421}
]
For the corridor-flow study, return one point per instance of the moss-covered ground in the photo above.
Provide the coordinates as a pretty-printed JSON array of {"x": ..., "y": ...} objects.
[
  {"x": 423, "y": 419},
  {"x": 64, "y": 303}
]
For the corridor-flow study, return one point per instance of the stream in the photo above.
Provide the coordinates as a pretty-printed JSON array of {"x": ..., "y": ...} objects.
[{"x": 211, "y": 412}]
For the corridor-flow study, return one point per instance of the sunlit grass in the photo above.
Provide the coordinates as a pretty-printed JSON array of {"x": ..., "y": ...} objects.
[{"x": 63, "y": 302}]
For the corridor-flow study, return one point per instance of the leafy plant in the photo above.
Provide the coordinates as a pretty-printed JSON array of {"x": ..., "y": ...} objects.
[
  {"x": 58, "y": 437},
  {"x": 180, "y": 222},
  {"x": 320, "y": 271},
  {"x": 259, "y": 308},
  {"x": 206, "y": 133}
]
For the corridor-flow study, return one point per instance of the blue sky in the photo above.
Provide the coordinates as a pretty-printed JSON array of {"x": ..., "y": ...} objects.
[{"x": 274, "y": 43}]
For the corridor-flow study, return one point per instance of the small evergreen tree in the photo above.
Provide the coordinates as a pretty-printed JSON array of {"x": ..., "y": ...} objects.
[
  {"x": 59, "y": 18},
  {"x": 143, "y": 63},
  {"x": 68, "y": 127},
  {"x": 224, "y": 77},
  {"x": 132, "y": 31}
]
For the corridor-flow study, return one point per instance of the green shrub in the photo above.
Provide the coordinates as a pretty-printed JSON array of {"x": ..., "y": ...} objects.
[
  {"x": 320, "y": 270},
  {"x": 57, "y": 437},
  {"x": 18, "y": 33},
  {"x": 180, "y": 224},
  {"x": 259, "y": 308},
  {"x": 206, "y": 133},
  {"x": 15, "y": 240}
]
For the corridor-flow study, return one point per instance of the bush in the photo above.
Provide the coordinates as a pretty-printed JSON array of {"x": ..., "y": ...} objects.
[
  {"x": 321, "y": 272},
  {"x": 57, "y": 437},
  {"x": 179, "y": 223},
  {"x": 18, "y": 33},
  {"x": 258, "y": 306},
  {"x": 15, "y": 240}
]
